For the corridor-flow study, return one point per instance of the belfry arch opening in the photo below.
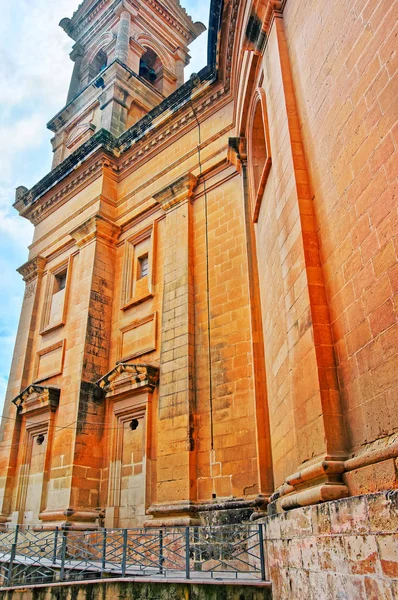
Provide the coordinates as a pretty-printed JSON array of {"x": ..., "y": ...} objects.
[
  {"x": 99, "y": 63},
  {"x": 151, "y": 69}
]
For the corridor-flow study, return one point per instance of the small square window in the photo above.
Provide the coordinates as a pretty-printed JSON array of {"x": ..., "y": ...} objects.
[
  {"x": 60, "y": 282},
  {"x": 143, "y": 266}
]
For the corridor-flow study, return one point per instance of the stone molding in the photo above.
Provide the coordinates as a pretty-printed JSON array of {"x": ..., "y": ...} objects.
[
  {"x": 95, "y": 227},
  {"x": 137, "y": 377},
  {"x": 35, "y": 398},
  {"x": 32, "y": 269},
  {"x": 181, "y": 189}
]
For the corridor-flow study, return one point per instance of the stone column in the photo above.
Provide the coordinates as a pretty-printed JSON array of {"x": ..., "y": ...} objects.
[
  {"x": 176, "y": 466},
  {"x": 74, "y": 88},
  {"x": 123, "y": 37}
]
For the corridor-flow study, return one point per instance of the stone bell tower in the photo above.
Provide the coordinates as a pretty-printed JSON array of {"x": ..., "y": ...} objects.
[{"x": 128, "y": 56}]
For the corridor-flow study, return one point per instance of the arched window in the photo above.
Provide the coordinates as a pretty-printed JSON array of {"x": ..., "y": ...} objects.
[
  {"x": 259, "y": 157},
  {"x": 99, "y": 63},
  {"x": 151, "y": 68}
]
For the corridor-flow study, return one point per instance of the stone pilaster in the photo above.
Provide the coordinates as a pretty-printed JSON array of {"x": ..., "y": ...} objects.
[
  {"x": 114, "y": 109},
  {"x": 123, "y": 36},
  {"x": 74, "y": 88},
  {"x": 176, "y": 447},
  {"x": 78, "y": 504}
]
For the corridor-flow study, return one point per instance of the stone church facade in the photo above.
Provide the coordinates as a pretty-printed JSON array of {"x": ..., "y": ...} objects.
[{"x": 209, "y": 328}]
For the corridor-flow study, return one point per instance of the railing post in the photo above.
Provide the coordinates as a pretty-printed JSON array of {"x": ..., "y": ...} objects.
[
  {"x": 262, "y": 556},
  {"x": 161, "y": 558},
  {"x": 124, "y": 559},
  {"x": 12, "y": 556},
  {"x": 63, "y": 555},
  {"x": 55, "y": 545},
  {"x": 187, "y": 549},
  {"x": 103, "y": 551}
]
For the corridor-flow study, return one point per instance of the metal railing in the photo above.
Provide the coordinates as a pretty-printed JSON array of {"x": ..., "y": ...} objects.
[{"x": 31, "y": 556}]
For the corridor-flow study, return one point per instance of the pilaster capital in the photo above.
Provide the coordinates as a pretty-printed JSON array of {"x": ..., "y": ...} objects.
[
  {"x": 95, "y": 227},
  {"x": 181, "y": 189},
  {"x": 32, "y": 269},
  {"x": 126, "y": 7}
]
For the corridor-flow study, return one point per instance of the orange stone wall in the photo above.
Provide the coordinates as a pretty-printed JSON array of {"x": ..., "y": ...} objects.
[
  {"x": 272, "y": 326},
  {"x": 344, "y": 72}
]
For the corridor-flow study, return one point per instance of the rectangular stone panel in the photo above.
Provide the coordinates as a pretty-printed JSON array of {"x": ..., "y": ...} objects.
[
  {"x": 138, "y": 338},
  {"x": 49, "y": 361}
]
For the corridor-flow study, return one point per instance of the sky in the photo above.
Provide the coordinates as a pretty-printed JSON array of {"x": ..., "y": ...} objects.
[{"x": 35, "y": 71}]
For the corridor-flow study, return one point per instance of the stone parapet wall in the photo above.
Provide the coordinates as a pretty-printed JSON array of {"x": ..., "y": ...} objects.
[{"x": 346, "y": 549}]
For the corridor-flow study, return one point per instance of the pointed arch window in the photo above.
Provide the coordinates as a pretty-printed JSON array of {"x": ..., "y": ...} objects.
[{"x": 259, "y": 155}]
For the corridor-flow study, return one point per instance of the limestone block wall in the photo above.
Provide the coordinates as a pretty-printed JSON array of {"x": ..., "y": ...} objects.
[
  {"x": 344, "y": 61},
  {"x": 346, "y": 549}
]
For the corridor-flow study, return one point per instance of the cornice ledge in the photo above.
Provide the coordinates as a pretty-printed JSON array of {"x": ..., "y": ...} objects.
[
  {"x": 96, "y": 226},
  {"x": 36, "y": 397},
  {"x": 181, "y": 189},
  {"x": 138, "y": 376},
  {"x": 24, "y": 198},
  {"x": 32, "y": 269}
]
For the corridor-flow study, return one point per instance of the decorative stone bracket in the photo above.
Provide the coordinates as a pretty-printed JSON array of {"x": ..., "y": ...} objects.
[
  {"x": 35, "y": 398},
  {"x": 126, "y": 377}
]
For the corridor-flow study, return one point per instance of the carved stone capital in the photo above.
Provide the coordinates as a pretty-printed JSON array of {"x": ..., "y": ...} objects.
[
  {"x": 32, "y": 269},
  {"x": 35, "y": 398},
  {"x": 95, "y": 227},
  {"x": 126, "y": 377},
  {"x": 177, "y": 192}
]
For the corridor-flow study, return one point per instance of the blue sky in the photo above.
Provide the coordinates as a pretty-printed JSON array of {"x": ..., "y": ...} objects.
[{"x": 35, "y": 70}]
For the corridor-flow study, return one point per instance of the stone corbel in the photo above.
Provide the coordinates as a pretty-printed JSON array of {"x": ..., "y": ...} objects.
[
  {"x": 95, "y": 227},
  {"x": 37, "y": 398},
  {"x": 237, "y": 152},
  {"x": 177, "y": 192}
]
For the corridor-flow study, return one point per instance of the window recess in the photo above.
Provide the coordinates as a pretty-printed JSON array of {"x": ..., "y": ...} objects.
[
  {"x": 56, "y": 297},
  {"x": 138, "y": 268}
]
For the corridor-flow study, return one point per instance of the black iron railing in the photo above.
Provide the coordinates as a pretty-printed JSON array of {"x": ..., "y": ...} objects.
[{"x": 31, "y": 556}]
